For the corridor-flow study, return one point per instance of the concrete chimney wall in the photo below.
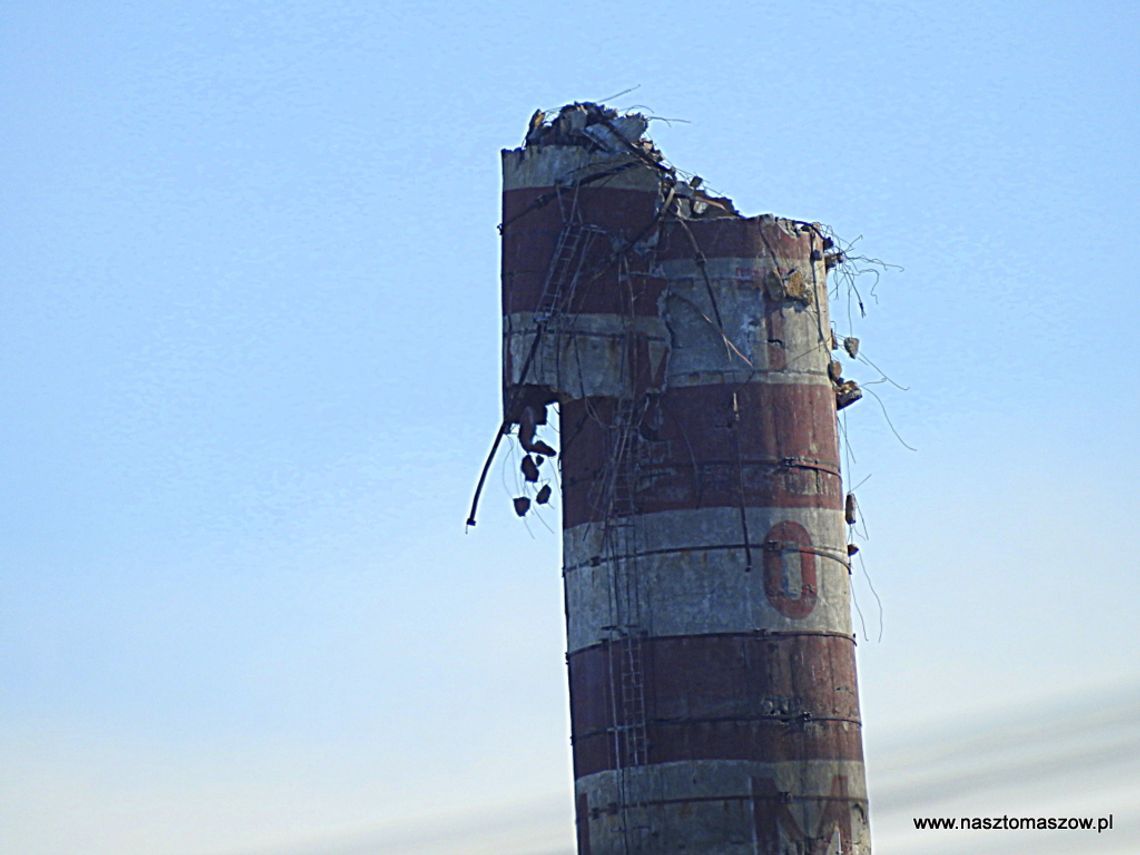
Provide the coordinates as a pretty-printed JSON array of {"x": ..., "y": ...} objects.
[{"x": 687, "y": 348}]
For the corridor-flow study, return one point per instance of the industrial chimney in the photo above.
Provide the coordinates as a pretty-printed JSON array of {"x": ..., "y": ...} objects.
[{"x": 687, "y": 351}]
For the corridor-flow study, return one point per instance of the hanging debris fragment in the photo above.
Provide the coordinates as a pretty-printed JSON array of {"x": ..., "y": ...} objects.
[
  {"x": 530, "y": 469},
  {"x": 847, "y": 393},
  {"x": 688, "y": 348},
  {"x": 529, "y": 420}
]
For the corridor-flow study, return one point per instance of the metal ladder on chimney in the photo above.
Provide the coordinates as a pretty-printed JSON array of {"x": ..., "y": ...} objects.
[
  {"x": 632, "y": 686},
  {"x": 627, "y": 647},
  {"x": 565, "y": 268}
]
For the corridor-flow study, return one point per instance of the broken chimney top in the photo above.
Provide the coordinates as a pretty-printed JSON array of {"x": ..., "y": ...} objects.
[
  {"x": 593, "y": 126},
  {"x": 595, "y": 129}
]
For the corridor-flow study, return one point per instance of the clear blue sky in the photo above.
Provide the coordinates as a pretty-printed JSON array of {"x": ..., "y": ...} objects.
[{"x": 249, "y": 361}]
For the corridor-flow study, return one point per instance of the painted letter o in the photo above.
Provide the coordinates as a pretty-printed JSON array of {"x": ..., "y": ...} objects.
[{"x": 782, "y": 537}]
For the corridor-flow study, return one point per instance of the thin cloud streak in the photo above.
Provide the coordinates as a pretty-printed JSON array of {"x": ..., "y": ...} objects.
[
  {"x": 1066, "y": 757},
  {"x": 1060, "y": 740},
  {"x": 515, "y": 829},
  {"x": 1072, "y": 757}
]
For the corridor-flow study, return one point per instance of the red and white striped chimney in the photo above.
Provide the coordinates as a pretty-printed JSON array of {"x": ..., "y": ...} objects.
[{"x": 714, "y": 701}]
